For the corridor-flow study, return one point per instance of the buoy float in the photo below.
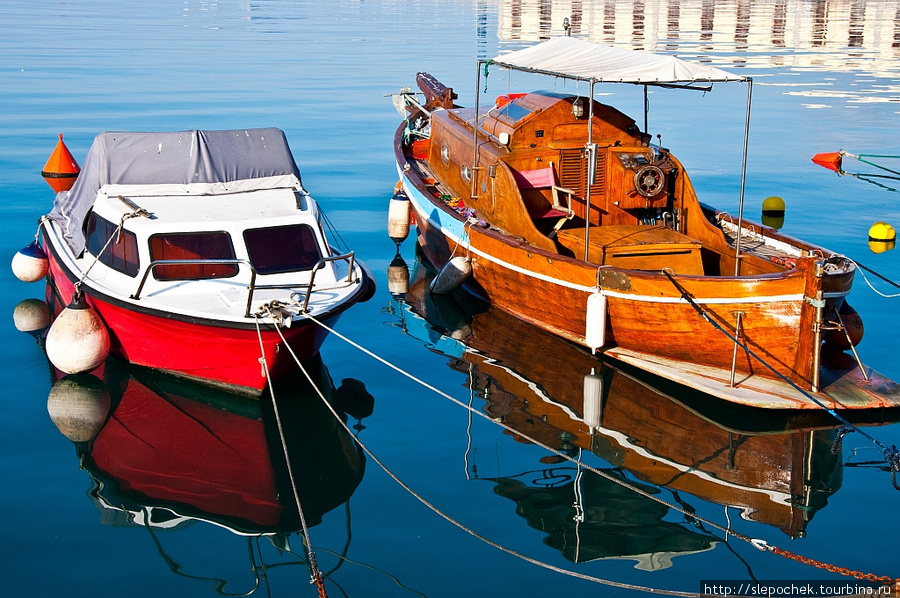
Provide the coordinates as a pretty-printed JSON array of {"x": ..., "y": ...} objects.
[
  {"x": 595, "y": 321},
  {"x": 454, "y": 273},
  {"x": 77, "y": 341},
  {"x": 30, "y": 263},
  {"x": 593, "y": 400},
  {"x": 398, "y": 277},
  {"x": 78, "y": 406},
  {"x": 829, "y": 160},
  {"x": 31, "y": 316},
  {"x": 61, "y": 169},
  {"x": 882, "y": 237},
  {"x": 773, "y": 206},
  {"x": 398, "y": 217},
  {"x": 852, "y": 323},
  {"x": 775, "y": 222}
]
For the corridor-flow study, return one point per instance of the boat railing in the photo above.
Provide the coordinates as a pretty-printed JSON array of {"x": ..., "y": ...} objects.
[{"x": 252, "y": 287}]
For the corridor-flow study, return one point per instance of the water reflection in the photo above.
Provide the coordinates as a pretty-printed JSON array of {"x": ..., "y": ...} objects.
[
  {"x": 776, "y": 469},
  {"x": 165, "y": 454},
  {"x": 835, "y": 36}
]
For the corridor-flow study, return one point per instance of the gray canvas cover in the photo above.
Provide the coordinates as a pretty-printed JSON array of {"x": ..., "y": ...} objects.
[{"x": 170, "y": 158}]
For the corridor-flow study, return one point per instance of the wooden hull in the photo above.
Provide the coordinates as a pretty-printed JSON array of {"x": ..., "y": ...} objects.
[
  {"x": 207, "y": 351},
  {"x": 647, "y": 311}
]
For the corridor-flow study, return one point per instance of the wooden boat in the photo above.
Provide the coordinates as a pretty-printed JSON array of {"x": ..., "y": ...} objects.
[
  {"x": 193, "y": 247},
  {"x": 775, "y": 468},
  {"x": 571, "y": 220}
]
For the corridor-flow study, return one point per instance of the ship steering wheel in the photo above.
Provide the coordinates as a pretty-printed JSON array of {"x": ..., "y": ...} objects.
[{"x": 649, "y": 180}]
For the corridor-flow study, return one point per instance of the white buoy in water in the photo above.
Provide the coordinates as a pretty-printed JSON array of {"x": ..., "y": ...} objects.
[
  {"x": 77, "y": 341},
  {"x": 453, "y": 274},
  {"x": 593, "y": 400},
  {"x": 595, "y": 321},
  {"x": 398, "y": 217},
  {"x": 398, "y": 277},
  {"x": 78, "y": 406},
  {"x": 31, "y": 316},
  {"x": 30, "y": 263}
]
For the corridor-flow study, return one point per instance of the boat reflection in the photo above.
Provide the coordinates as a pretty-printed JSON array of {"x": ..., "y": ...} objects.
[
  {"x": 163, "y": 453},
  {"x": 775, "y": 469}
]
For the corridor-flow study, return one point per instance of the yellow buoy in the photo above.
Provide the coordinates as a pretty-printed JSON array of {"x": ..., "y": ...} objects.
[
  {"x": 78, "y": 406},
  {"x": 881, "y": 246},
  {"x": 882, "y": 232},
  {"x": 77, "y": 341},
  {"x": 773, "y": 206}
]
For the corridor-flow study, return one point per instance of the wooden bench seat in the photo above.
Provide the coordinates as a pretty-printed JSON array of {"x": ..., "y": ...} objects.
[{"x": 637, "y": 247}]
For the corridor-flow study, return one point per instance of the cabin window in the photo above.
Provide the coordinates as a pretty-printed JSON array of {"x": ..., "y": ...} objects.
[
  {"x": 283, "y": 248},
  {"x": 121, "y": 254},
  {"x": 466, "y": 173},
  {"x": 198, "y": 247},
  {"x": 445, "y": 154}
]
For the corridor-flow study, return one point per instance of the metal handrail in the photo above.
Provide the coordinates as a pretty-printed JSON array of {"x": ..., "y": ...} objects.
[
  {"x": 253, "y": 274},
  {"x": 321, "y": 264}
]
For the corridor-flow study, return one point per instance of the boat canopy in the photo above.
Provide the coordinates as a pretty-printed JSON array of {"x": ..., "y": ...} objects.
[
  {"x": 175, "y": 163},
  {"x": 574, "y": 58}
]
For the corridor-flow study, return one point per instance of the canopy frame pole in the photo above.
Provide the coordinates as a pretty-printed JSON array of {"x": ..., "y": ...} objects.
[
  {"x": 646, "y": 111},
  {"x": 474, "y": 184},
  {"x": 590, "y": 172},
  {"x": 737, "y": 247}
]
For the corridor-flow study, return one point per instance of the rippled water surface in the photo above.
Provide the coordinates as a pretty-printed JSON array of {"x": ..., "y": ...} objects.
[{"x": 185, "y": 492}]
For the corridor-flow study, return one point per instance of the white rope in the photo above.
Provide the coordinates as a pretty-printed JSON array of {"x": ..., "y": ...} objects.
[{"x": 525, "y": 436}]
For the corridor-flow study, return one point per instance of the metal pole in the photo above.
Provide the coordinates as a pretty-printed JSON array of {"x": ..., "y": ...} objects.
[
  {"x": 591, "y": 168},
  {"x": 737, "y": 249},
  {"x": 475, "y": 128}
]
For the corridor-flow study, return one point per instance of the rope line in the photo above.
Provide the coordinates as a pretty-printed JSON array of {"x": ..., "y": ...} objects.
[
  {"x": 891, "y": 455},
  {"x": 884, "y": 278},
  {"x": 315, "y": 574},
  {"x": 447, "y": 517},
  {"x": 728, "y": 531}
]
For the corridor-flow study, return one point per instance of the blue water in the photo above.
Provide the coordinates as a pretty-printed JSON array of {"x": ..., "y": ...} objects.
[{"x": 826, "y": 77}]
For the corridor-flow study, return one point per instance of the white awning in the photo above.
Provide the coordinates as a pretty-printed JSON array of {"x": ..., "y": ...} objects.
[{"x": 575, "y": 58}]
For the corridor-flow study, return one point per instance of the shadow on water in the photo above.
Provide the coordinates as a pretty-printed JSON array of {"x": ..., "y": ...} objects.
[{"x": 666, "y": 441}]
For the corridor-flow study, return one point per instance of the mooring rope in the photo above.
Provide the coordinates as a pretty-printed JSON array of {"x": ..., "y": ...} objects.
[
  {"x": 891, "y": 454},
  {"x": 439, "y": 512},
  {"x": 755, "y": 542},
  {"x": 315, "y": 574},
  {"x": 884, "y": 278}
]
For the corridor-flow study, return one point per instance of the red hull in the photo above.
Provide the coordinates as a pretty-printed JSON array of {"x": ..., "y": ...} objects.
[{"x": 209, "y": 352}]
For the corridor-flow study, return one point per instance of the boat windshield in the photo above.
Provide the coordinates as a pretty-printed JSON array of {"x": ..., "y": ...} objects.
[
  {"x": 282, "y": 248},
  {"x": 122, "y": 252},
  {"x": 193, "y": 246}
]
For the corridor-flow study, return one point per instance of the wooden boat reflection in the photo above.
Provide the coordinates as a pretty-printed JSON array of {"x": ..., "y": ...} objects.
[
  {"x": 171, "y": 453},
  {"x": 777, "y": 470}
]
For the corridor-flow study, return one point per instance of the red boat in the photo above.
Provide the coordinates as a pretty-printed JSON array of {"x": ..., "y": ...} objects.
[{"x": 201, "y": 253}]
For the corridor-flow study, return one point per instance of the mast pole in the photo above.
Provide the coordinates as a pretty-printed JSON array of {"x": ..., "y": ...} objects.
[
  {"x": 473, "y": 184},
  {"x": 737, "y": 249},
  {"x": 591, "y": 171}
]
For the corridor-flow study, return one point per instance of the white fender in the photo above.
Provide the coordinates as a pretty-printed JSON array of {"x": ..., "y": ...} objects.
[
  {"x": 30, "y": 263},
  {"x": 593, "y": 400},
  {"x": 31, "y": 316},
  {"x": 398, "y": 217},
  {"x": 595, "y": 321},
  {"x": 77, "y": 341},
  {"x": 453, "y": 274},
  {"x": 398, "y": 277},
  {"x": 79, "y": 406}
]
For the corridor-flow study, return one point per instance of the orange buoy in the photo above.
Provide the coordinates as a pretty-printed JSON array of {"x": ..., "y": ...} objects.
[
  {"x": 61, "y": 169},
  {"x": 829, "y": 160}
]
